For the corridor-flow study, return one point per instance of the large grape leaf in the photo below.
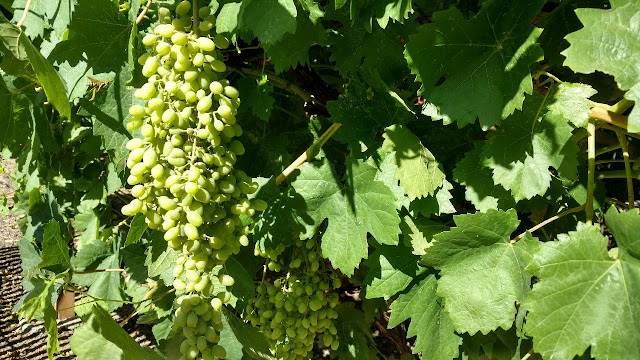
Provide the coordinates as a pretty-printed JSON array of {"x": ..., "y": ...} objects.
[
  {"x": 585, "y": 298},
  {"x": 22, "y": 50},
  {"x": 353, "y": 334},
  {"x": 16, "y": 118},
  {"x": 383, "y": 11},
  {"x": 361, "y": 206},
  {"x": 102, "y": 285},
  {"x": 479, "y": 187},
  {"x": 44, "y": 14},
  {"x": 485, "y": 61},
  {"x": 354, "y": 47},
  {"x": 362, "y": 118},
  {"x": 418, "y": 170},
  {"x": 293, "y": 49},
  {"x": 436, "y": 338},
  {"x": 237, "y": 336},
  {"x": 560, "y": 22},
  {"x": 268, "y": 20},
  {"x": 609, "y": 43},
  {"x": 530, "y": 142},
  {"x": 86, "y": 54},
  {"x": 482, "y": 273},
  {"x": 418, "y": 233},
  {"x": 55, "y": 251},
  {"x": 391, "y": 269},
  {"x": 110, "y": 112},
  {"x": 101, "y": 338}
]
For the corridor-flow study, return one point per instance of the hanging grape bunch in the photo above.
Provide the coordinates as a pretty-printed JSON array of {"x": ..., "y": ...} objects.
[
  {"x": 182, "y": 169},
  {"x": 296, "y": 308}
]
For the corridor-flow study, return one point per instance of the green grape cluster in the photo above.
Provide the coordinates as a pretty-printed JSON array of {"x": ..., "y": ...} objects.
[
  {"x": 182, "y": 169},
  {"x": 296, "y": 308},
  {"x": 201, "y": 323}
]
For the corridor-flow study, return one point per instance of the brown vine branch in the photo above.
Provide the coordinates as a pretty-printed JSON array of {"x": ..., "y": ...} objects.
[
  {"x": 24, "y": 14},
  {"x": 527, "y": 355},
  {"x": 144, "y": 12},
  {"x": 548, "y": 221},
  {"x": 309, "y": 153},
  {"x": 609, "y": 117},
  {"x": 394, "y": 337}
]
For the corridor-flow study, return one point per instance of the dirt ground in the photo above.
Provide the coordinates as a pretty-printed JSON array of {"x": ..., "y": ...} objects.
[{"x": 9, "y": 230}]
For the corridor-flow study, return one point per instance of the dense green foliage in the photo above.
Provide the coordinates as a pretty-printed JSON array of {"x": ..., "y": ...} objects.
[{"x": 465, "y": 190}]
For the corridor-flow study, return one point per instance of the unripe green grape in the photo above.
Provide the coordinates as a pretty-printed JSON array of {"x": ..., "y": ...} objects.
[
  {"x": 191, "y": 75},
  {"x": 216, "y": 87},
  {"x": 191, "y": 231},
  {"x": 150, "y": 158},
  {"x": 179, "y": 38},
  {"x": 231, "y": 92},
  {"x": 138, "y": 169},
  {"x": 150, "y": 66},
  {"x": 146, "y": 92},
  {"x": 226, "y": 280},
  {"x": 168, "y": 116},
  {"x": 198, "y": 60},
  {"x": 205, "y": 44},
  {"x": 224, "y": 111},
  {"x": 164, "y": 30},
  {"x": 137, "y": 111},
  {"x": 204, "y": 104},
  {"x": 219, "y": 352},
  {"x": 183, "y": 8}
]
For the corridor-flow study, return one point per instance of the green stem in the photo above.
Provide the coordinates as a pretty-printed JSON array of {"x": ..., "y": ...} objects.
[
  {"x": 618, "y": 174},
  {"x": 607, "y": 149},
  {"x": 548, "y": 221},
  {"x": 196, "y": 17},
  {"x": 591, "y": 153},
  {"x": 621, "y": 106},
  {"x": 627, "y": 167}
]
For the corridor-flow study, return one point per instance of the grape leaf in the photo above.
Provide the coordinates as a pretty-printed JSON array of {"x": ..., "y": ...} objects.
[
  {"x": 354, "y": 47},
  {"x": 353, "y": 334},
  {"x": 608, "y": 43},
  {"x": 478, "y": 183},
  {"x": 55, "y": 251},
  {"x": 110, "y": 112},
  {"x": 237, "y": 336},
  {"x": 532, "y": 141},
  {"x": 243, "y": 290},
  {"x": 362, "y": 118},
  {"x": 36, "y": 20},
  {"x": 38, "y": 303},
  {"x": 436, "y": 338},
  {"x": 381, "y": 11},
  {"x": 160, "y": 257},
  {"x": 584, "y": 297},
  {"x": 90, "y": 253},
  {"x": 418, "y": 171},
  {"x": 418, "y": 233},
  {"x": 22, "y": 49},
  {"x": 269, "y": 29},
  {"x": 482, "y": 273},
  {"x": 256, "y": 95},
  {"x": 136, "y": 230},
  {"x": 485, "y": 61},
  {"x": 278, "y": 222},
  {"x": 391, "y": 269},
  {"x": 293, "y": 49},
  {"x": 83, "y": 54},
  {"x": 387, "y": 175},
  {"x": 560, "y": 22},
  {"x": 101, "y": 338},
  {"x": 625, "y": 227},
  {"x": 438, "y": 204},
  {"x": 16, "y": 117},
  {"x": 361, "y": 206},
  {"x": 102, "y": 285}
]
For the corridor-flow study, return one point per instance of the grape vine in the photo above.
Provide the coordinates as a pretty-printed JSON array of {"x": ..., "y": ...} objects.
[{"x": 402, "y": 180}]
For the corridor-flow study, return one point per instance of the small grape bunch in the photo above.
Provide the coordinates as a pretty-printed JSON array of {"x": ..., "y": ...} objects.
[
  {"x": 201, "y": 323},
  {"x": 296, "y": 309}
]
